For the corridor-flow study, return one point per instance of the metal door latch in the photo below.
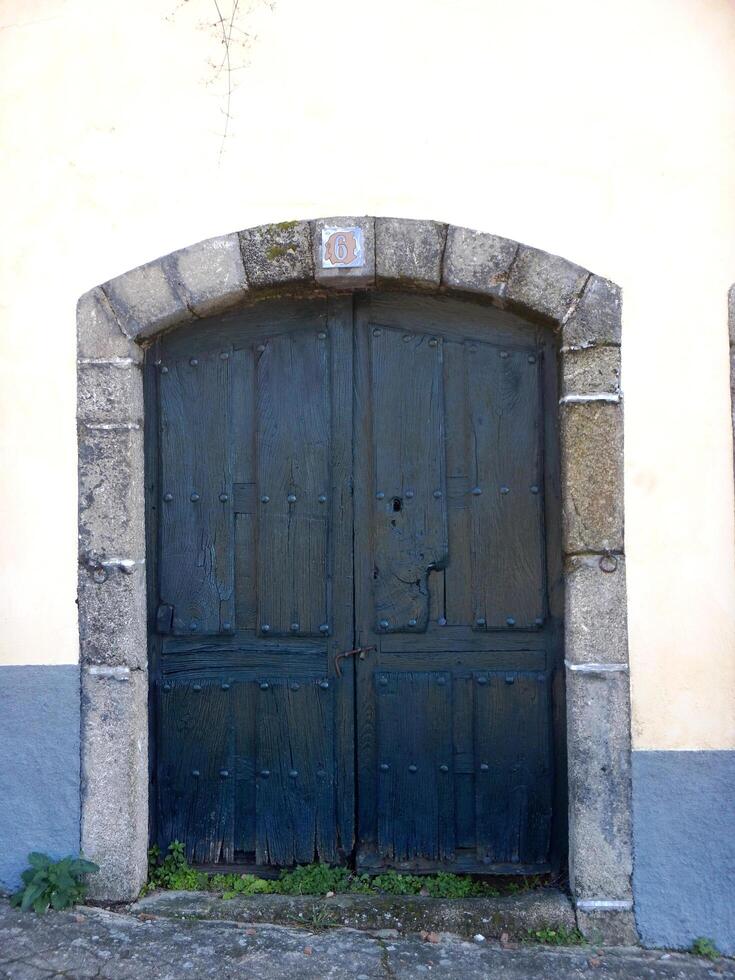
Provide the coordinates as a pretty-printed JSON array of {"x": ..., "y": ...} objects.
[{"x": 361, "y": 652}]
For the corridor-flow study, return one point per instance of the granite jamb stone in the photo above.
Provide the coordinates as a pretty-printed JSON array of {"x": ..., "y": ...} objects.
[
  {"x": 282, "y": 260},
  {"x": 114, "y": 780},
  {"x": 109, "y": 391},
  {"x": 598, "y": 738},
  {"x": 477, "y": 262},
  {"x": 360, "y": 277},
  {"x": 592, "y": 476},
  {"x": 544, "y": 285},
  {"x": 99, "y": 334},
  {"x": 111, "y": 490},
  {"x": 592, "y": 370},
  {"x": 112, "y": 613},
  {"x": 595, "y": 621},
  {"x": 409, "y": 252}
]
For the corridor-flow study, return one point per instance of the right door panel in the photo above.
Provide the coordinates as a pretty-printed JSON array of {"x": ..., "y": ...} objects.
[{"x": 454, "y": 721}]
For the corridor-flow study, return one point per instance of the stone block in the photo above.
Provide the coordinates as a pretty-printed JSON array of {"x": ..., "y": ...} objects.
[
  {"x": 359, "y": 277},
  {"x": 592, "y": 476},
  {"x": 114, "y": 790},
  {"x": 596, "y": 621},
  {"x": 110, "y": 391},
  {"x": 598, "y": 750},
  {"x": 596, "y": 317},
  {"x": 145, "y": 301},
  {"x": 608, "y": 927},
  {"x": 409, "y": 252},
  {"x": 543, "y": 284},
  {"x": 112, "y": 613},
  {"x": 591, "y": 371},
  {"x": 278, "y": 254},
  {"x": 477, "y": 262},
  {"x": 209, "y": 275},
  {"x": 99, "y": 334},
  {"x": 111, "y": 491}
]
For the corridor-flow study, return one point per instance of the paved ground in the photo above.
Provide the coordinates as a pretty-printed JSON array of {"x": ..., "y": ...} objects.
[{"x": 96, "y": 943}]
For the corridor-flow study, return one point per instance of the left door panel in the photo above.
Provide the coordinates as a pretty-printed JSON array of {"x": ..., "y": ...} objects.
[{"x": 251, "y": 509}]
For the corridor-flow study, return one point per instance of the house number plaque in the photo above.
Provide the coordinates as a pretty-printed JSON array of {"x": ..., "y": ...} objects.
[{"x": 342, "y": 248}]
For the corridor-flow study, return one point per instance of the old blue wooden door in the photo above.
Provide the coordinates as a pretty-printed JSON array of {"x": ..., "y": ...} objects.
[{"x": 273, "y": 435}]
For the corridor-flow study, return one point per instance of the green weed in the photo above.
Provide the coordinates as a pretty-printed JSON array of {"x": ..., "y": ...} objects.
[
  {"x": 173, "y": 872},
  {"x": 52, "y": 884},
  {"x": 705, "y": 947},
  {"x": 558, "y": 936}
]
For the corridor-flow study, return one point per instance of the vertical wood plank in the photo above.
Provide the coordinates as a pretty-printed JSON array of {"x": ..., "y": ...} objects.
[
  {"x": 458, "y": 574},
  {"x": 244, "y": 703},
  {"x": 506, "y": 539},
  {"x": 340, "y": 578},
  {"x": 512, "y": 766},
  {"x": 196, "y": 783},
  {"x": 293, "y": 479},
  {"x": 243, "y": 474},
  {"x": 196, "y": 522},
  {"x": 410, "y": 493},
  {"x": 415, "y": 794},
  {"x": 296, "y": 815}
]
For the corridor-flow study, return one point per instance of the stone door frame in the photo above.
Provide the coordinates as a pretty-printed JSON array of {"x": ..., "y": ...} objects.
[{"x": 115, "y": 322}]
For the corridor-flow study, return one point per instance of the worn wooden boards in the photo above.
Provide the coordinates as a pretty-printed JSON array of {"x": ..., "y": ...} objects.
[
  {"x": 248, "y": 767},
  {"x": 405, "y": 441}
]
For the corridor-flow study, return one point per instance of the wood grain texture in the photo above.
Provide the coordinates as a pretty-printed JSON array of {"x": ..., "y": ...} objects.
[
  {"x": 409, "y": 492},
  {"x": 295, "y": 810},
  {"x": 427, "y": 400},
  {"x": 415, "y": 789},
  {"x": 512, "y": 766},
  {"x": 506, "y": 530},
  {"x": 196, "y": 524},
  {"x": 293, "y": 450}
]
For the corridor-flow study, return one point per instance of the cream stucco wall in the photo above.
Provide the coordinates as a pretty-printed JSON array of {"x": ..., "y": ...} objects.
[{"x": 604, "y": 132}]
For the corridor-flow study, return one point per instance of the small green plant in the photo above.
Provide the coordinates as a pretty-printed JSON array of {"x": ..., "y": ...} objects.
[
  {"x": 394, "y": 883},
  {"x": 52, "y": 884},
  {"x": 173, "y": 872},
  {"x": 705, "y": 947},
  {"x": 313, "y": 879},
  {"x": 446, "y": 885},
  {"x": 558, "y": 936}
]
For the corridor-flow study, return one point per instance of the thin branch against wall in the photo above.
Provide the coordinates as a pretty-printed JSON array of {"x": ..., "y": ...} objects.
[
  {"x": 233, "y": 42},
  {"x": 226, "y": 38}
]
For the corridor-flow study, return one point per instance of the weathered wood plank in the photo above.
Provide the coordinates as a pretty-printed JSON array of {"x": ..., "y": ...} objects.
[
  {"x": 195, "y": 775},
  {"x": 458, "y": 574},
  {"x": 506, "y": 538},
  {"x": 293, "y": 439},
  {"x": 410, "y": 525},
  {"x": 196, "y": 523},
  {"x": 512, "y": 766},
  {"x": 415, "y": 795},
  {"x": 295, "y": 805}
]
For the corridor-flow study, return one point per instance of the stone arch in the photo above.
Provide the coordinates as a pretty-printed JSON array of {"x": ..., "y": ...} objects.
[{"x": 115, "y": 322}]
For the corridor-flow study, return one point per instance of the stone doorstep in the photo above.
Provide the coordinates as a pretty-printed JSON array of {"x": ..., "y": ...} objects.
[{"x": 511, "y": 917}]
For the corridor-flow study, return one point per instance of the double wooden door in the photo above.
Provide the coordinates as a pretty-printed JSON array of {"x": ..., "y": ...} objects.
[{"x": 353, "y": 586}]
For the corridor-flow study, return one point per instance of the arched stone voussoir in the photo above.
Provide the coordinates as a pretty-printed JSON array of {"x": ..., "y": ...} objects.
[{"x": 218, "y": 274}]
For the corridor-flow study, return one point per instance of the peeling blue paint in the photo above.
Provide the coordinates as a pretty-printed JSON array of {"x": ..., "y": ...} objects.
[
  {"x": 39, "y": 765},
  {"x": 684, "y": 841}
]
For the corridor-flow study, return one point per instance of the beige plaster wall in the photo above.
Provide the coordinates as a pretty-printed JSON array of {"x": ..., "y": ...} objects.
[{"x": 603, "y": 132}]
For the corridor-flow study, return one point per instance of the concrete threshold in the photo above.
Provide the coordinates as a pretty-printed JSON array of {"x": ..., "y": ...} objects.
[{"x": 506, "y": 917}]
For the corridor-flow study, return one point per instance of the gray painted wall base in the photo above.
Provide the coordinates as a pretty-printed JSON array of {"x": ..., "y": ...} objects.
[
  {"x": 684, "y": 847},
  {"x": 39, "y": 765}
]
